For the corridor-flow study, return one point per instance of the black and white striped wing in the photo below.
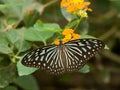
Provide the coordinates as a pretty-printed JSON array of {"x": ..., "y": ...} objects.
[
  {"x": 80, "y": 51},
  {"x": 46, "y": 58},
  {"x": 67, "y": 57}
]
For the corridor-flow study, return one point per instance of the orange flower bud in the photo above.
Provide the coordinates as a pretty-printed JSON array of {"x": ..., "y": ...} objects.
[
  {"x": 75, "y": 36},
  {"x": 57, "y": 42}
]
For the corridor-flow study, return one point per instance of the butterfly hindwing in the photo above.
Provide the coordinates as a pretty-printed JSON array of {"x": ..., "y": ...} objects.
[
  {"x": 82, "y": 50},
  {"x": 36, "y": 58}
]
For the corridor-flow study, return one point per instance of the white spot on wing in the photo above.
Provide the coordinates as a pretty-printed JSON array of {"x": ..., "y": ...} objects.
[
  {"x": 34, "y": 62},
  {"x": 44, "y": 64},
  {"x": 84, "y": 56},
  {"x": 81, "y": 44},
  {"x": 88, "y": 52}
]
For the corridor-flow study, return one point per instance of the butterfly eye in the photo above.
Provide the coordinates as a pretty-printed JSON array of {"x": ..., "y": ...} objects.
[{"x": 68, "y": 57}]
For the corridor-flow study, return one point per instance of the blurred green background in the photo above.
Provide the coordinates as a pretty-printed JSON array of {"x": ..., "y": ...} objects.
[{"x": 17, "y": 16}]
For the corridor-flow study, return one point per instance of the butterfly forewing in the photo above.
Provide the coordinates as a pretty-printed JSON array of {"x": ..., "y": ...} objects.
[
  {"x": 80, "y": 51},
  {"x": 68, "y": 57}
]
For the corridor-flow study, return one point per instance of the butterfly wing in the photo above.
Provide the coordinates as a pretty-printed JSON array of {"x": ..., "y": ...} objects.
[
  {"x": 70, "y": 56},
  {"x": 80, "y": 51},
  {"x": 46, "y": 58}
]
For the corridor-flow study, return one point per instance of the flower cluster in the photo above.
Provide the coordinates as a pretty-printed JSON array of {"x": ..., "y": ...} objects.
[
  {"x": 77, "y": 7},
  {"x": 68, "y": 35}
]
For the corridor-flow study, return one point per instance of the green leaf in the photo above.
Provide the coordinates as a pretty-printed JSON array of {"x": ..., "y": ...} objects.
[
  {"x": 68, "y": 16},
  {"x": 16, "y": 38},
  {"x": 30, "y": 18},
  {"x": 106, "y": 47},
  {"x": 27, "y": 83},
  {"x": 18, "y": 7},
  {"x": 41, "y": 31},
  {"x": 3, "y": 6},
  {"x": 72, "y": 23},
  {"x": 85, "y": 69},
  {"x": 7, "y": 75},
  {"x": 22, "y": 45},
  {"x": 4, "y": 48},
  {"x": 12, "y": 36},
  {"x": 9, "y": 88},
  {"x": 23, "y": 70}
]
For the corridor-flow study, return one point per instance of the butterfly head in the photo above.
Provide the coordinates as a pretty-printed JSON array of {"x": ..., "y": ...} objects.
[{"x": 60, "y": 42}]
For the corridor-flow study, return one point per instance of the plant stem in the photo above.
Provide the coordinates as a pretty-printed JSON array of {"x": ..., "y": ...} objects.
[{"x": 77, "y": 23}]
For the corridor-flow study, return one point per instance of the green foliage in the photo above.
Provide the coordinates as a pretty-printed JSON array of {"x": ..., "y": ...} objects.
[
  {"x": 16, "y": 38},
  {"x": 10, "y": 88},
  {"x": 116, "y": 4},
  {"x": 4, "y": 48},
  {"x": 21, "y": 10},
  {"x": 21, "y": 25},
  {"x": 22, "y": 70},
  {"x": 85, "y": 69},
  {"x": 72, "y": 24},
  {"x": 24, "y": 82},
  {"x": 41, "y": 31},
  {"x": 16, "y": 8},
  {"x": 67, "y": 15},
  {"x": 7, "y": 75}
]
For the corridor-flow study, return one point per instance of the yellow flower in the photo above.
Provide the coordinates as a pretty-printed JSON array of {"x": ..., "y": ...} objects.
[
  {"x": 57, "y": 42},
  {"x": 67, "y": 31},
  {"x": 67, "y": 38},
  {"x": 75, "y": 36},
  {"x": 64, "y": 40},
  {"x": 64, "y": 3},
  {"x": 82, "y": 14},
  {"x": 68, "y": 35},
  {"x": 76, "y": 6}
]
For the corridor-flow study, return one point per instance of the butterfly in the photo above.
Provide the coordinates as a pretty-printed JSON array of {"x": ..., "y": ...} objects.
[{"x": 67, "y": 57}]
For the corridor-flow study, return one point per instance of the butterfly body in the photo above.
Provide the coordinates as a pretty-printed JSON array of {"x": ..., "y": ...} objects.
[{"x": 67, "y": 57}]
